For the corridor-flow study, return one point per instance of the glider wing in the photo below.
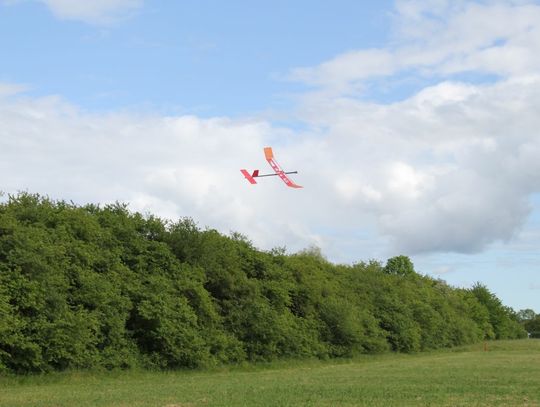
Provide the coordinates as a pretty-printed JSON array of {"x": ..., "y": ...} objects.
[{"x": 269, "y": 154}]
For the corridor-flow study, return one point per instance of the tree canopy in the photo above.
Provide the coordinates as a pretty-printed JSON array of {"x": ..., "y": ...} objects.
[{"x": 91, "y": 286}]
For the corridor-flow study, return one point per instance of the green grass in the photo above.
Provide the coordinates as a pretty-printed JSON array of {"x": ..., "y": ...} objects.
[{"x": 508, "y": 374}]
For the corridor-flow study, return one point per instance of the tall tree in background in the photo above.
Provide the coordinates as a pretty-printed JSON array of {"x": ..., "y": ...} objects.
[{"x": 399, "y": 265}]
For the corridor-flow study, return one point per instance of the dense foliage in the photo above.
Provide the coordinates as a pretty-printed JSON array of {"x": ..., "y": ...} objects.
[
  {"x": 92, "y": 286},
  {"x": 530, "y": 321}
]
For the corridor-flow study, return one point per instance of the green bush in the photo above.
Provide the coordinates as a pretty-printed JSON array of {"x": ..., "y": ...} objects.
[{"x": 101, "y": 287}]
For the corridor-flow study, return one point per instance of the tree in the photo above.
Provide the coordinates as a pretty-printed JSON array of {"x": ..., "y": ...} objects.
[
  {"x": 399, "y": 265},
  {"x": 102, "y": 287},
  {"x": 501, "y": 318},
  {"x": 533, "y": 327},
  {"x": 525, "y": 315}
]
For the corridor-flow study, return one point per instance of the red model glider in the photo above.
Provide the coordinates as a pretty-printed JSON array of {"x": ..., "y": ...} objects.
[{"x": 275, "y": 166}]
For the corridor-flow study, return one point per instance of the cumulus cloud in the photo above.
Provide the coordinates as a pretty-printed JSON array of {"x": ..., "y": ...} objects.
[
  {"x": 450, "y": 168},
  {"x": 173, "y": 166},
  {"x": 437, "y": 38}
]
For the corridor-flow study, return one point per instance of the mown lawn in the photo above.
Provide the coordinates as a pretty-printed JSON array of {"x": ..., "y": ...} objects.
[{"x": 508, "y": 374}]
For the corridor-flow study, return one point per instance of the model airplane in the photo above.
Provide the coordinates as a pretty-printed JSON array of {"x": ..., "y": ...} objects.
[{"x": 275, "y": 166}]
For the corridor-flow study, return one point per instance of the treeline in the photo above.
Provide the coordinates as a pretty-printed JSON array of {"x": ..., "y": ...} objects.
[
  {"x": 90, "y": 286},
  {"x": 530, "y": 321}
]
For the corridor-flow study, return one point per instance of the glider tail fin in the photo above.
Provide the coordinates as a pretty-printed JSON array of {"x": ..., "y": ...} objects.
[{"x": 249, "y": 177}]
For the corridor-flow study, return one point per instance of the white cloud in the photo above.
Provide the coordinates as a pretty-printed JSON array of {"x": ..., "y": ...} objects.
[
  {"x": 341, "y": 73},
  {"x": 440, "y": 37},
  {"x": 172, "y": 166},
  {"x": 95, "y": 11},
  {"x": 88, "y": 11},
  {"x": 442, "y": 270},
  {"x": 453, "y": 165},
  {"x": 10, "y": 89},
  {"x": 449, "y": 168}
]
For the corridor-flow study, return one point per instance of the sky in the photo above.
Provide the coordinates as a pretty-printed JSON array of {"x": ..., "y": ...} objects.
[{"x": 414, "y": 125}]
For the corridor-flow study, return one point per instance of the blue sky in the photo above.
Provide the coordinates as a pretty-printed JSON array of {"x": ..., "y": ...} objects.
[
  {"x": 209, "y": 57},
  {"x": 413, "y": 124}
]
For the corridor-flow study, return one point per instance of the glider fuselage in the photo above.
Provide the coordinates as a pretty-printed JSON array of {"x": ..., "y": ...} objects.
[{"x": 269, "y": 155}]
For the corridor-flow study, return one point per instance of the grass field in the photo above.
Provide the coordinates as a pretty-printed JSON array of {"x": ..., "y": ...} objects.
[{"x": 508, "y": 374}]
